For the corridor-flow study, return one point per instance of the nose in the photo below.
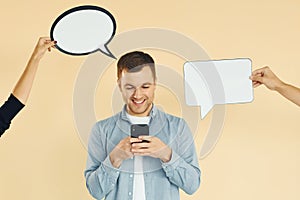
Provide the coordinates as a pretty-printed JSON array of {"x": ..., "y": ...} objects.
[{"x": 137, "y": 93}]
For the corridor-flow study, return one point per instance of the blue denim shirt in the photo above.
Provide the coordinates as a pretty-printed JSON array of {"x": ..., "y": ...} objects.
[{"x": 162, "y": 180}]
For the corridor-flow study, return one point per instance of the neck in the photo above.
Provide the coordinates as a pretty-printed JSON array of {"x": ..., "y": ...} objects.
[{"x": 144, "y": 114}]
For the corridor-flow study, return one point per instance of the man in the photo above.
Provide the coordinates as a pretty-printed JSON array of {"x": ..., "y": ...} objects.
[
  {"x": 121, "y": 167},
  {"x": 270, "y": 80},
  {"x": 20, "y": 94}
]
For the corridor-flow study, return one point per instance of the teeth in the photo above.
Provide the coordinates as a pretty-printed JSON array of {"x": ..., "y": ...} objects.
[{"x": 138, "y": 102}]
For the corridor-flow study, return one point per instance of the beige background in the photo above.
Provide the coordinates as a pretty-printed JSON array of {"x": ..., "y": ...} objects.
[{"x": 258, "y": 155}]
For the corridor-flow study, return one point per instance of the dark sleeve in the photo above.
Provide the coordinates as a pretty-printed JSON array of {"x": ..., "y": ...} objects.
[{"x": 8, "y": 111}]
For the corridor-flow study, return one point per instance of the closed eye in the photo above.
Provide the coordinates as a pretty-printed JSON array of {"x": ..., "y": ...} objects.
[
  {"x": 146, "y": 86},
  {"x": 129, "y": 87}
]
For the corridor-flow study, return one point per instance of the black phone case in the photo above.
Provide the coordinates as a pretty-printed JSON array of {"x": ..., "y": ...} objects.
[{"x": 139, "y": 129}]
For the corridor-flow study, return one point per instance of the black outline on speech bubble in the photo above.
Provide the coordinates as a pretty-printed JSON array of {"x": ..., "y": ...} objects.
[{"x": 80, "y": 8}]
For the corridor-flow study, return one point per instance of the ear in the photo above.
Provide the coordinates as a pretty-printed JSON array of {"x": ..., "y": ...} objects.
[
  {"x": 119, "y": 84},
  {"x": 154, "y": 84}
]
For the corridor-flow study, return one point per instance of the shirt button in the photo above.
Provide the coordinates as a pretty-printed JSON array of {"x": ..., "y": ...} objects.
[
  {"x": 130, "y": 175},
  {"x": 129, "y": 193},
  {"x": 118, "y": 172},
  {"x": 113, "y": 185}
]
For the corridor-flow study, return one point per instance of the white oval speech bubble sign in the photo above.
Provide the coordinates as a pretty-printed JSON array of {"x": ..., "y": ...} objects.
[{"x": 83, "y": 30}]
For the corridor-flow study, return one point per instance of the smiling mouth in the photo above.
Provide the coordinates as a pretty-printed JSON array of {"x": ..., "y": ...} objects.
[{"x": 140, "y": 102}]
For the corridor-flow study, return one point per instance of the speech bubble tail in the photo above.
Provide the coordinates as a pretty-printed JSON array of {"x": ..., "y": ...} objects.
[
  {"x": 205, "y": 110},
  {"x": 106, "y": 51}
]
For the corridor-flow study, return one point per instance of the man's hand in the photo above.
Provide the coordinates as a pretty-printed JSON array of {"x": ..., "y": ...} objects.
[
  {"x": 154, "y": 148},
  {"x": 122, "y": 151}
]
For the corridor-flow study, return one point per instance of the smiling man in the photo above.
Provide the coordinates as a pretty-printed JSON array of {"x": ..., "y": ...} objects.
[{"x": 151, "y": 166}]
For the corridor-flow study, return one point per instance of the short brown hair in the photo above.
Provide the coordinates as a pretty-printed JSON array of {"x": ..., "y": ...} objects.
[{"x": 134, "y": 62}]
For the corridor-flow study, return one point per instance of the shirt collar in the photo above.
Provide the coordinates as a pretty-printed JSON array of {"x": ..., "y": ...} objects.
[
  {"x": 156, "y": 123},
  {"x": 153, "y": 112}
]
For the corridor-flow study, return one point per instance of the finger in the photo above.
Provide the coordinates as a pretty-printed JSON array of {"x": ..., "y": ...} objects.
[
  {"x": 256, "y": 83},
  {"x": 48, "y": 45},
  {"x": 257, "y": 79},
  {"x": 260, "y": 70},
  {"x": 145, "y": 137},
  {"x": 140, "y": 145},
  {"x": 132, "y": 140},
  {"x": 257, "y": 74},
  {"x": 51, "y": 44}
]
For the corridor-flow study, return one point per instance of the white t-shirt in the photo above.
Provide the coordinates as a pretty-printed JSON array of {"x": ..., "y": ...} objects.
[{"x": 138, "y": 181}]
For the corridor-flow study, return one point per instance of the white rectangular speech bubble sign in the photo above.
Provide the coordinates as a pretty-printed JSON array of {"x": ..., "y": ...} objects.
[{"x": 208, "y": 83}]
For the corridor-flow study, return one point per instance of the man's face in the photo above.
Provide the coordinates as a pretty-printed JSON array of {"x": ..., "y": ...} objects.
[{"x": 137, "y": 89}]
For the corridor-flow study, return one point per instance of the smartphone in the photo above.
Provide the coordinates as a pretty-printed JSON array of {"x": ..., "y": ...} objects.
[{"x": 139, "y": 129}]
